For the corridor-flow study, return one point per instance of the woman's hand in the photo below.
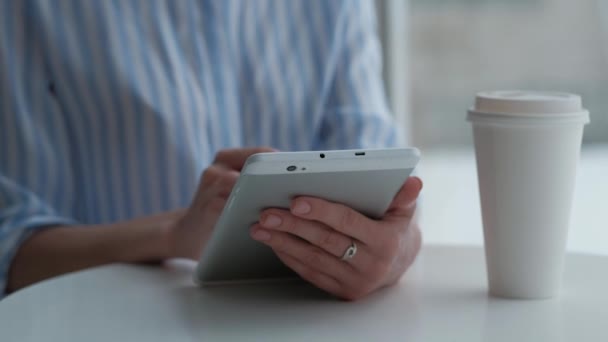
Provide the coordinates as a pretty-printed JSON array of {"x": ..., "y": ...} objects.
[
  {"x": 57, "y": 250},
  {"x": 187, "y": 237},
  {"x": 314, "y": 234}
]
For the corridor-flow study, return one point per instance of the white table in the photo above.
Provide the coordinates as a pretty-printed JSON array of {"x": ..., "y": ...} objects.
[{"x": 442, "y": 298}]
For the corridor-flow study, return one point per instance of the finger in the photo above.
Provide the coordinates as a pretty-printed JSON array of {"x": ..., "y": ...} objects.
[
  {"x": 318, "y": 279},
  {"x": 204, "y": 191},
  {"x": 318, "y": 234},
  {"x": 310, "y": 255},
  {"x": 215, "y": 205},
  {"x": 217, "y": 173},
  {"x": 226, "y": 181},
  {"x": 215, "y": 180},
  {"x": 337, "y": 216},
  {"x": 235, "y": 158},
  {"x": 210, "y": 175},
  {"x": 404, "y": 203},
  {"x": 314, "y": 232}
]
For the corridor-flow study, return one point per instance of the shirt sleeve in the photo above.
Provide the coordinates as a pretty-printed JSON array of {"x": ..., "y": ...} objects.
[
  {"x": 21, "y": 213},
  {"x": 24, "y": 205},
  {"x": 356, "y": 114},
  {"x": 34, "y": 169}
]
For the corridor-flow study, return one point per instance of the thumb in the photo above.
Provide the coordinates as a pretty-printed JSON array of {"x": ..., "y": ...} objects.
[
  {"x": 235, "y": 158},
  {"x": 403, "y": 203}
]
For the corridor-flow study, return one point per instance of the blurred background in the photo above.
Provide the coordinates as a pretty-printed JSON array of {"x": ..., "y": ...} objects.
[{"x": 439, "y": 53}]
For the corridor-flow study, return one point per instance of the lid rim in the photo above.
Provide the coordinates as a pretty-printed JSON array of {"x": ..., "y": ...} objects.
[
  {"x": 581, "y": 117},
  {"x": 527, "y": 101},
  {"x": 538, "y": 115}
]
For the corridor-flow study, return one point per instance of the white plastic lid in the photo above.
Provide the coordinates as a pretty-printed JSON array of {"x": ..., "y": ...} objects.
[
  {"x": 517, "y": 106},
  {"x": 522, "y": 102}
]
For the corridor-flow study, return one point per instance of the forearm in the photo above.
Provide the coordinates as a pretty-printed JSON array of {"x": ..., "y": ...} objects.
[{"x": 58, "y": 250}]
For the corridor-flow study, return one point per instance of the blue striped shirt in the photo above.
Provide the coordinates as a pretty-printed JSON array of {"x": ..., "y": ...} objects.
[{"x": 111, "y": 109}]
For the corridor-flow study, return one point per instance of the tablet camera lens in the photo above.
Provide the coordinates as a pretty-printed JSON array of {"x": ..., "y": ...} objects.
[
  {"x": 291, "y": 168},
  {"x": 322, "y": 155}
]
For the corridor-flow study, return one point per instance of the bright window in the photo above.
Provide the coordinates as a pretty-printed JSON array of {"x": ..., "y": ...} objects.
[{"x": 439, "y": 53}]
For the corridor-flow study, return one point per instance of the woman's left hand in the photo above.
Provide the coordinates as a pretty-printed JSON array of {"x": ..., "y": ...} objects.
[{"x": 312, "y": 237}]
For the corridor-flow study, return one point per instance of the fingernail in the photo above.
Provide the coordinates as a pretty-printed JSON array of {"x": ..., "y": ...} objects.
[
  {"x": 271, "y": 221},
  {"x": 301, "y": 207},
  {"x": 261, "y": 235}
]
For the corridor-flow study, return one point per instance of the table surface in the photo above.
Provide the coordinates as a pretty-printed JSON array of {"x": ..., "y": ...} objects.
[{"x": 442, "y": 298}]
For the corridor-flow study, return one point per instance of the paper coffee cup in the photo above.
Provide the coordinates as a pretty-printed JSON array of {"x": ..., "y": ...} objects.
[{"x": 527, "y": 146}]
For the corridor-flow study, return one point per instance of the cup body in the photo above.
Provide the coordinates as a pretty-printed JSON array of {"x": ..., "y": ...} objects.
[{"x": 526, "y": 169}]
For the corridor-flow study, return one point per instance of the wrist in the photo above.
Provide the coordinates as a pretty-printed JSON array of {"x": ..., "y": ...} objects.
[
  {"x": 167, "y": 234},
  {"x": 151, "y": 237}
]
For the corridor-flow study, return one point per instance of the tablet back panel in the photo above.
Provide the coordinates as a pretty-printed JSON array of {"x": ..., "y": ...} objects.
[{"x": 231, "y": 254}]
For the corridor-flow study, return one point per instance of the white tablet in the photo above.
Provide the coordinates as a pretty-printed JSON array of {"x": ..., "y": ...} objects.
[{"x": 365, "y": 180}]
